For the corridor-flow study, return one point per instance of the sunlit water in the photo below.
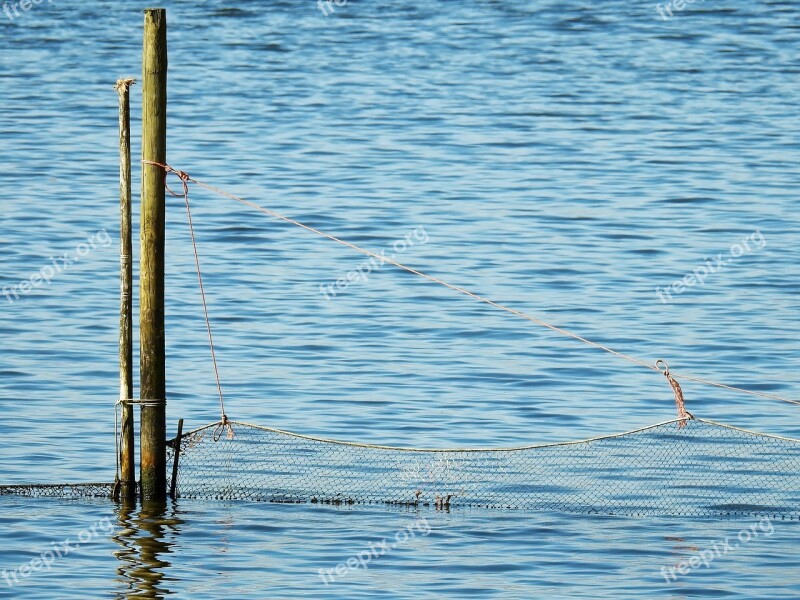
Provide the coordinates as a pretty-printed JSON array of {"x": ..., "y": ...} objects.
[{"x": 563, "y": 158}]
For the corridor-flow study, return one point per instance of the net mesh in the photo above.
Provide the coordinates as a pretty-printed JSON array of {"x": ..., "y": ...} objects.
[
  {"x": 693, "y": 467},
  {"x": 59, "y": 490}
]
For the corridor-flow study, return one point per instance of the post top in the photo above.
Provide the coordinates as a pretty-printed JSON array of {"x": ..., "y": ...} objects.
[{"x": 155, "y": 13}]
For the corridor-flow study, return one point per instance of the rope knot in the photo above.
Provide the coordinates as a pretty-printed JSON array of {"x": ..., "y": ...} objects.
[
  {"x": 224, "y": 425},
  {"x": 184, "y": 177},
  {"x": 683, "y": 414}
]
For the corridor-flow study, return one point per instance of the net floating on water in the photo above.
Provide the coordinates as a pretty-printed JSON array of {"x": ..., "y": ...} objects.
[
  {"x": 59, "y": 490},
  {"x": 701, "y": 469}
]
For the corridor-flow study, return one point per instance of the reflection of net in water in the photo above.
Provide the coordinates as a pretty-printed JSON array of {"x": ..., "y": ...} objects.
[{"x": 704, "y": 468}]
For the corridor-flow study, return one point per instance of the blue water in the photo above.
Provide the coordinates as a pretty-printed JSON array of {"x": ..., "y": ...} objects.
[{"x": 564, "y": 158}]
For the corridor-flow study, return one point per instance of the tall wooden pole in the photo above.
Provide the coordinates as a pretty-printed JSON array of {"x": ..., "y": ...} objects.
[
  {"x": 151, "y": 276},
  {"x": 126, "y": 450}
]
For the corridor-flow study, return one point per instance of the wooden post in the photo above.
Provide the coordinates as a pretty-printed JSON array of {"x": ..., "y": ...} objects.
[
  {"x": 126, "y": 449},
  {"x": 152, "y": 387},
  {"x": 177, "y": 455}
]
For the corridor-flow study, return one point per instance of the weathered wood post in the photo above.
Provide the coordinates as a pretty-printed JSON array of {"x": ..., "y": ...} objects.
[
  {"x": 152, "y": 387},
  {"x": 126, "y": 450}
]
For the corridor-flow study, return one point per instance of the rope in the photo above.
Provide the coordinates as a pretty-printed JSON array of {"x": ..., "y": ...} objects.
[
  {"x": 224, "y": 426},
  {"x": 186, "y": 178},
  {"x": 683, "y": 414},
  {"x": 118, "y": 421},
  {"x": 312, "y": 438},
  {"x": 142, "y": 402}
]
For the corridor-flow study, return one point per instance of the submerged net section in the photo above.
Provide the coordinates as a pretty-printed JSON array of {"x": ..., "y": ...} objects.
[
  {"x": 679, "y": 467},
  {"x": 59, "y": 490}
]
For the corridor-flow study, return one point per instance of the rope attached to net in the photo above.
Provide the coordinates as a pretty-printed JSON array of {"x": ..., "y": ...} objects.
[
  {"x": 683, "y": 414},
  {"x": 185, "y": 178}
]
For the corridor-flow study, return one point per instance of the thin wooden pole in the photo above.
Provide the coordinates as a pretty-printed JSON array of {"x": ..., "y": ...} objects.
[
  {"x": 126, "y": 449},
  {"x": 151, "y": 276},
  {"x": 177, "y": 455}
]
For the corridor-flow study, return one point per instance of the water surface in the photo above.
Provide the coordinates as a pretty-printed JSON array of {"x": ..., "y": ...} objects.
[{"x": 563, "y": 158}]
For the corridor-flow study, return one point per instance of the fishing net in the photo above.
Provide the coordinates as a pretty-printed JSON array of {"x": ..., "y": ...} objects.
[
  {"x": 680, "y": 467},
  {"x": 59, "y": 490}
]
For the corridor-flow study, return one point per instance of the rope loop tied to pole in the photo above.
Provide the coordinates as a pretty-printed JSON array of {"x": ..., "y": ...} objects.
[{"x": 143, "y": 402}]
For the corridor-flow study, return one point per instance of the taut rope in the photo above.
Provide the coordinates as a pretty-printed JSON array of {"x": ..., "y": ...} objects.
[
  {"x": 671, "y": 377},
  {"x": 184, "y": 177}
]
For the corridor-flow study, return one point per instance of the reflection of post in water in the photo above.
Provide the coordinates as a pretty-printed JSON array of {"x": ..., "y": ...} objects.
[{"x": 145, "y": 538}]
